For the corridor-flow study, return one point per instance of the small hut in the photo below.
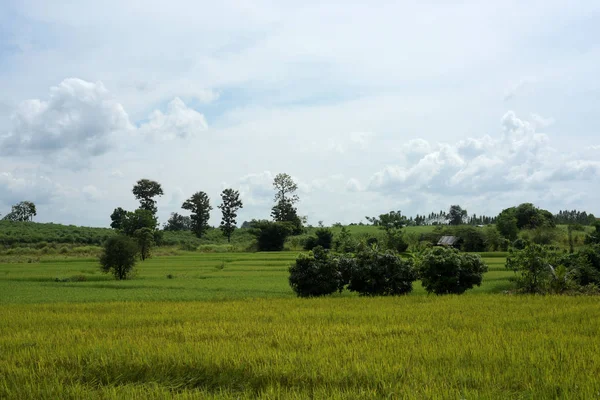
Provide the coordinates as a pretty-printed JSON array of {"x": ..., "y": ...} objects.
[{"x": 450, "y": 241}]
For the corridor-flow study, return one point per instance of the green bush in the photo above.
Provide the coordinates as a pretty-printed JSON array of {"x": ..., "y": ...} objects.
[
  {"x": 323, "y": 237},
  {"x": 119, "y": 256},
  {"x": 376, "y": 273},
  {"x": 271, "y": 236},
  {"x": 446, "y": 270},
  {"x": 314, "y": 274}
]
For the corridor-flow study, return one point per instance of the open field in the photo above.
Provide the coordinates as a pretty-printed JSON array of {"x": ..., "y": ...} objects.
[
  {"x": 194, "y": 276},
  {"x": 229, "y": 326}
]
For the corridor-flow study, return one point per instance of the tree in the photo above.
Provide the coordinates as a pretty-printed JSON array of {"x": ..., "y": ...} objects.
[
  {"x": 199, "y": 206},
  {"x": 532, "y": 265},
  {"x": 506, "y": 223},
  {"x": 138, "y": 219},
  {"x": 456, "y": 215},
  {"x": 178, "y": 222},
  {"x": 392, "y": 223},
  {"x": 118, "y": 218},
  {"x": 375, "y": 273},
  {"x": 594, "y": 237},
  {"x": 323, "y": 238},
  {"x": 145, "y": 241},
  {"x": 230, "y": 204},
  {"x": 285, "y": 198},
  {"x": 314, "y": 274},
  {"x": 22, "y": 211},
  {"x": 446, "y": 271},
  {"x": 118, "y": 256},
  {"x": 270, "y": 236},
  {"x": 145, "y": 190}
]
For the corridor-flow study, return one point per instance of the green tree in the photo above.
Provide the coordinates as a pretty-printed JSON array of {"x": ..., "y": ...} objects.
[
  {"x": 594, "y": 237},
  {"x": 119, "y": 256},
  {"x": 533, "y": 266},
  {"x": 456, "y": 215},
  {"x": 199, "y": 206},
  {"x": 22, "y": 211},
  {"x": 446, "y": 270},
  {"x": 271, "y": 236},
  {"x": 285, "y": 199},
  {"x": 178, "y": 222},
  {"x": 323, "y": 238},
  {"x": 118, "y": 218},
  {"x": 376, "y": 273},
  {"x": 145, "y": 241},
  {"x": 392, "y": 223},
  {"x": 230, "y": 204},
  {"x": 506, "y": 223},
  {"x": 314, "y": 274},
  {"x": 138, "y": 219},
  {"x": 145, "y": 190}
]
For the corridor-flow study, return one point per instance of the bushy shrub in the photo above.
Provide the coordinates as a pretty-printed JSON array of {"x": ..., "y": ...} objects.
[
  {"x": 323, "y": 237},
  {"x": 446, "y": 270},
  {"x": 532, "y": 267},
  {"x": 314, "y": 274},
  {"x": 270, "y": 236},
  {"x": 345, "y": 243},
  {"x": 380, "y": 273},
  {"x": 119, "y": 256}
]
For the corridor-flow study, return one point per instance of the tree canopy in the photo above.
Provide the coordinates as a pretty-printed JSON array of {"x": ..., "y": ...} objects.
[
  {"x": 145, "y": 190},
  {"x": 199, "y": 206}
]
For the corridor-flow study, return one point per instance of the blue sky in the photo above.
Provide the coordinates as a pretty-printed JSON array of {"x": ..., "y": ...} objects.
[{"x": 370, "y": 107}]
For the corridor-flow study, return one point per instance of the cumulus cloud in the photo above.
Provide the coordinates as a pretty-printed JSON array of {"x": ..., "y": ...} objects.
[
  {"x": 91, "y": 193},
  {"x": 81, "y": 120},
  {"x": 519, "y": 159},
  {"x": 179, "y": 121},
  {"x": 78, "y": 116},
  {"x": 15, "y": 187}
]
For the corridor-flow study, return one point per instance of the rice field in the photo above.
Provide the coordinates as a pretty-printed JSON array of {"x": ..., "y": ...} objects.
[{"x": 228, "y": 326}]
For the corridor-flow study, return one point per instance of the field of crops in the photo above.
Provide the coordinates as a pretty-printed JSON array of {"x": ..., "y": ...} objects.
[{"x": 228, "y": 326}]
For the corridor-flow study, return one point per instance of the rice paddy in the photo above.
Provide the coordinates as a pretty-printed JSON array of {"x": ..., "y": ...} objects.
[{"x": 228, "y": 326}]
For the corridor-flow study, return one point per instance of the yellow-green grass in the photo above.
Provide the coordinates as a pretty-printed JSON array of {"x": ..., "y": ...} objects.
[
  {"x": 190, "y": 276},
  {"x": 492, "y": 346}
]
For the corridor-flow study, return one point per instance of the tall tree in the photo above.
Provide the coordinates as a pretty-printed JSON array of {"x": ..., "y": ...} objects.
[
  {"x": 199, "y": 206},
  {"x": 456, "y": 215},
  {"x": 118, "y": 218},
  {"x": 145, "y": 191},
  {"x": 230, "y": 205},
  {"x": 22, "y": 211},
  {"x": 285, "y": 198},
  {"x": 178, "y": 222}
]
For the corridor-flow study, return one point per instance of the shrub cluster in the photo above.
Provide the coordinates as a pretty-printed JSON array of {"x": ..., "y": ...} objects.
[{"x": 371, "y": 272}]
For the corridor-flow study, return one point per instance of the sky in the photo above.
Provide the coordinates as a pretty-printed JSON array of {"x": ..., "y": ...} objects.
[{"x": 369, "y": 106}]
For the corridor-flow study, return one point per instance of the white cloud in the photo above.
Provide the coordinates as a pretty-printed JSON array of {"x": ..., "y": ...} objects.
[
  {"x": 520, "y": 159},
  {"x": 78, "y": 117},
  {"x": 91, "y": 193},
  {"x": 15, "y": 187},
  {"x": 179, "y": 121}
]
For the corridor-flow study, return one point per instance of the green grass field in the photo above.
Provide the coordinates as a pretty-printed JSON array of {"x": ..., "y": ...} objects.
[{"x": 229, "y": 326}]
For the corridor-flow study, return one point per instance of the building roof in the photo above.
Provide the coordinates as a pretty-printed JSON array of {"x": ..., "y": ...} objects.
[{"x": 448, "y": 241}]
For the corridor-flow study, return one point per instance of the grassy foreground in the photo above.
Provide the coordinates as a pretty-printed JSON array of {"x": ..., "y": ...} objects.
[
  {"x": 419, "y": 347},
  {"x": 228, "y": 326}
]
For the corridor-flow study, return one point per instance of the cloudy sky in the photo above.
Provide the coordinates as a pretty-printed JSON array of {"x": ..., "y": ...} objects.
[{"x": 370, "y": 106}]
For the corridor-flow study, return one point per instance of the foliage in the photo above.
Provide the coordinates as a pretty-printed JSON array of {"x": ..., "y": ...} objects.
[
  {"x": 118, "y": 218},
  {"x": 344, "y": 243},
  {"x": 270, "y": 235},
  {"x": 199, "y": 206},
  {"x": 377, "y": 273},
  {"x": 230, "y": 204},
  {"x": 594, "y": 237},
  {"x": 22, "y": 211},
  {"x": 145, "y": 190},
  {"x": 323, "y": 238},
  {"x": 524, "y": 216},
  {"x": 533, "y": 265},
  {"x": 456, "y": 215},
  {"x": 285, "y": 198},
  {"x": 447, "y": 271},
  {"x": 145, "y": 241},
  {"x": 119, "y": 256},
  {"x": 314, "y": 274},
  {"x": 569, "y": 217},
  {"x": 138, "y": 219},
  {"x": 392, "y": 223},
  {"x": 178, "y": 222},
  {"x": 506, "y": 223}
]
